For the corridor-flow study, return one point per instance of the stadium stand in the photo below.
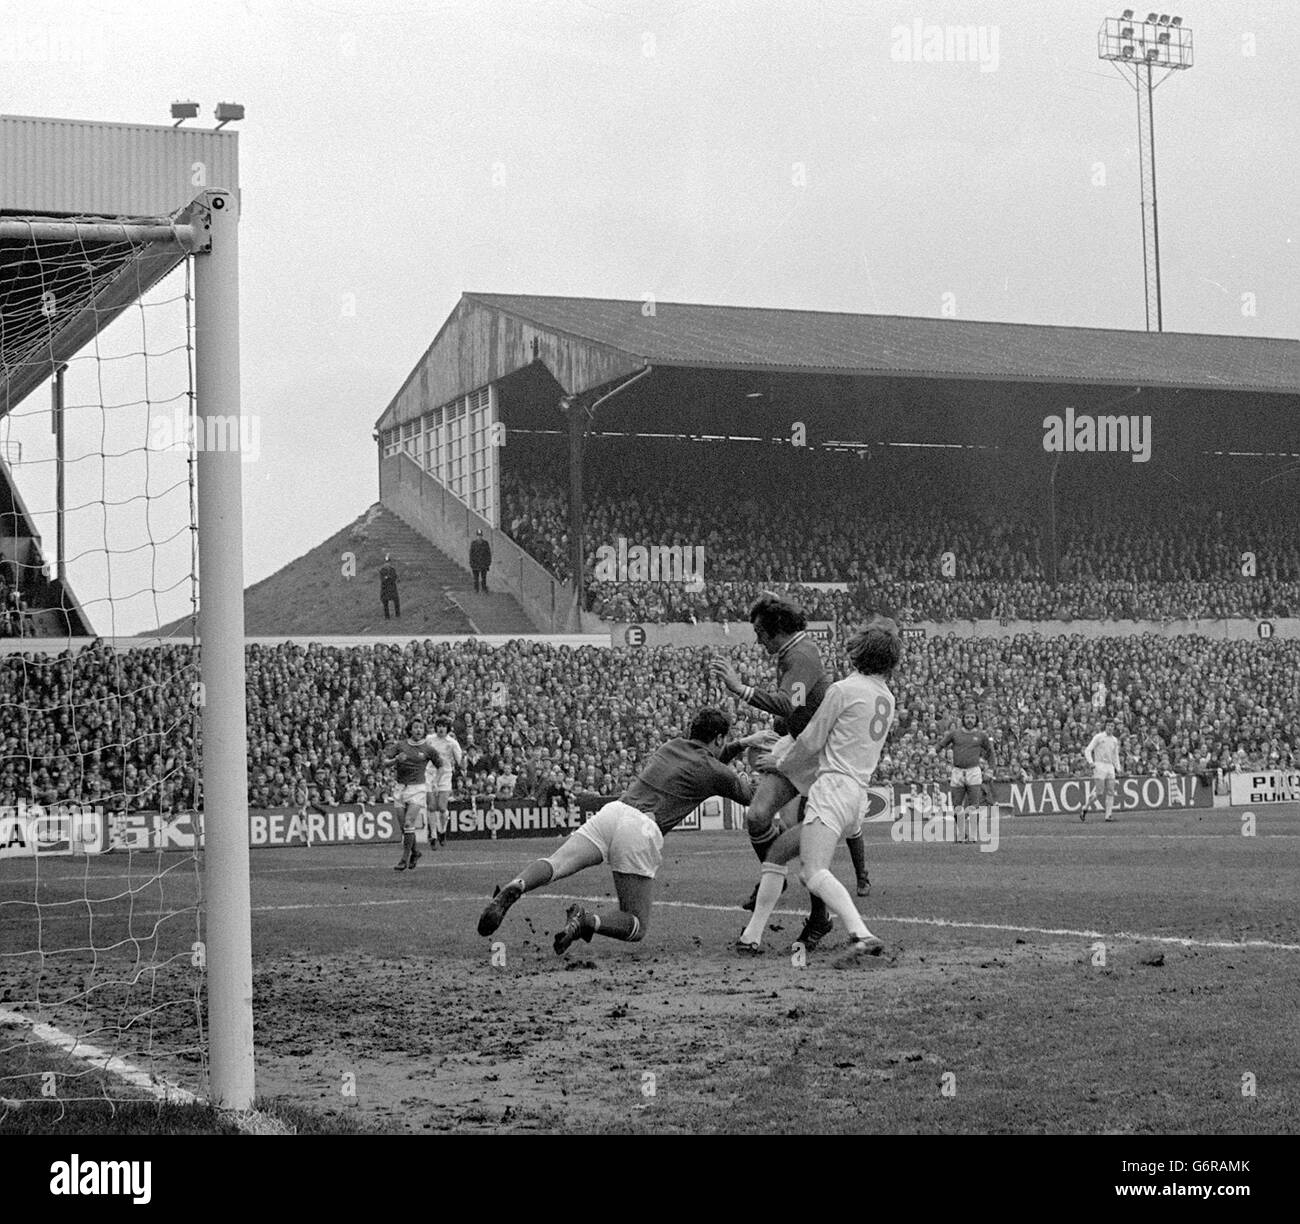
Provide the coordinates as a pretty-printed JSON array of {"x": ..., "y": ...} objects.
[
  {"x": 770, "y": 515},
  {"x": 560, "y": 720}
]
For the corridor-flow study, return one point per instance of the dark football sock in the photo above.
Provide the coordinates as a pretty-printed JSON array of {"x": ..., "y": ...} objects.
[
  {"x": 858, "y": 853},
  {"x": 616, "y": 924},
  {"x": 762, "y": 842}
]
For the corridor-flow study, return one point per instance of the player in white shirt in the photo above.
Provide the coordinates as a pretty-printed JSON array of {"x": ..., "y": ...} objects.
[
  {"x": 439, "y": 780},
  {"x": 839, "y": 749},
  {"x": 1102, "y": 753}
]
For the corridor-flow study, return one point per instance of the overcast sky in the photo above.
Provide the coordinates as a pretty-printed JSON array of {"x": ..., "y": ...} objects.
[{"x": 775, "y": 154}]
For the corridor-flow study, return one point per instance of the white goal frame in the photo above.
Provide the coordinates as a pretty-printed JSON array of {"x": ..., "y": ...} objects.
[{"x": 211, "y": 237}]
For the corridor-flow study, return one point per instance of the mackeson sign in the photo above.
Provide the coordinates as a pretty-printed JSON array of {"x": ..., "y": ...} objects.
[{"x": 1071, "y": 795}]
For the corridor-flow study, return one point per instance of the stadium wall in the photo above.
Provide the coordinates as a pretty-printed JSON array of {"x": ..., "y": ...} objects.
[
  {"x": 738, "y": 633},
  {"x": 450, "y": 525}
]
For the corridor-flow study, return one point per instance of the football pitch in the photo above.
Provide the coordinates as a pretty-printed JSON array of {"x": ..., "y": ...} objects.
[{"x": 1137, "y": 977}]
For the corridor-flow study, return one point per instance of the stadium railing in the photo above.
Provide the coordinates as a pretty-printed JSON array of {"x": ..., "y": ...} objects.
[{"x": 449, "y": 524}]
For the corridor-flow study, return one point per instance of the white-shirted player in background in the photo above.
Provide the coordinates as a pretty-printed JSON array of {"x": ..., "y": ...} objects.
[
  {"x": 1102, "y": 753},
  {"x": 448, "y": 748},
  {"x": 841, "y": 745}
]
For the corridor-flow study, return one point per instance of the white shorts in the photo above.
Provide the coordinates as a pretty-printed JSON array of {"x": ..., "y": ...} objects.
[
  {"x": 628, "y": 840},
  {"x": 1103, "y": 772},
  {"x": 802, "y": 782},
  {"x": 838, "y": 802},
  {"x": 413, "y": 799},
  {"x": 972, "y": 777}
]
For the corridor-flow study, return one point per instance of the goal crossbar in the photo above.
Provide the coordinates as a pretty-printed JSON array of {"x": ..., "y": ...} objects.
[{"x": 123, "y": 259}]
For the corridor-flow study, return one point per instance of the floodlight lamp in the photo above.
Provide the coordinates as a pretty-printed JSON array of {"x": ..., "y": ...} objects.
[
  {"x": 1127, "y": 14},
  {"x": 1175, "y": 21},
  {"x": 184, "y": 110},
  {"x": 1164, "y": 18},
  {"x": 1127, "y": 52},
  {"x": 228, "y": 112},
  {"x": 1151, "y": 19}
]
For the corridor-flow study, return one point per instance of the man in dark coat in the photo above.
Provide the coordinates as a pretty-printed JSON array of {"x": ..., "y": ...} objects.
[
  {"x": 480, "y": 561},
  {"x": 388, "y": 587}
]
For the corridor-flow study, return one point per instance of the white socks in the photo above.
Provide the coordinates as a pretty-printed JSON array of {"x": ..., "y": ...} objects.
[
  {"x": 838, "y": 901},
  {"x": 769, "y": 893}
]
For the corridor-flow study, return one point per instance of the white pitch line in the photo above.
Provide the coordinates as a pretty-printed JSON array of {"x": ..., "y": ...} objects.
[
  {"x": 249, "y": 1122},
  {"x": 101, "y": 1059},
  {"x": 1118, "y": 936}
]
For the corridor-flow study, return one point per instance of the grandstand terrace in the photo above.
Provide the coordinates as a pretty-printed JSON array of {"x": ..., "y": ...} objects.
[{"x": 894, "y": 459}]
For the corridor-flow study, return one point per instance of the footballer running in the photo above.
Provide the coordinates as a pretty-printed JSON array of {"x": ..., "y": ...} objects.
[{"x": 410, "y": 761}]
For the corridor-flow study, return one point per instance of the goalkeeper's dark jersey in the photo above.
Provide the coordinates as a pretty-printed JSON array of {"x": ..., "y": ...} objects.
[
  {"x": 801, "y": 683},
  {"x": 678, "y": 778}
]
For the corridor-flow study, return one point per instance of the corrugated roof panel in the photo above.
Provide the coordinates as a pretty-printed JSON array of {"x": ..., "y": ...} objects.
[
  {"x": 110, "y": 169},
  {"x": 736, "y": 337}
]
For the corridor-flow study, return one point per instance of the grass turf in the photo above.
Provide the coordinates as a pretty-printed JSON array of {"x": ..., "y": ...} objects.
[{"x": 378, "y": 1007}]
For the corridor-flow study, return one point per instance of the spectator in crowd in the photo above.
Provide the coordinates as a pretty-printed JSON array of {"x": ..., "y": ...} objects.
[{"x": 480, "y": 561}]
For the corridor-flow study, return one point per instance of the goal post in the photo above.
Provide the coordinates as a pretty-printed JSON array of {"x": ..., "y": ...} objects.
[{"x": 221, "y": 638}]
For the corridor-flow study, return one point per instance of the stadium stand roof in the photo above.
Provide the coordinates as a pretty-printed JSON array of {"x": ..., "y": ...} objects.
[{"x": 745, "y": 337}]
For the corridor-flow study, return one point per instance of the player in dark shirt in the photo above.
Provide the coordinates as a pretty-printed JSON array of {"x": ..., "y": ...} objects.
[
  {"x": 628, "y": 834},
  {"x": 968, "y": 744},
  {"x": 410, "y": 761}
]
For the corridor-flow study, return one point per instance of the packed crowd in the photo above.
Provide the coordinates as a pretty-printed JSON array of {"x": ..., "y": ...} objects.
[
  {"x": 777, "y": 515},
  {"x": 546, "y": 721}
]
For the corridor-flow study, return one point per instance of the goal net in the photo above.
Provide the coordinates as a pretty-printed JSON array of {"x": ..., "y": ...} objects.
[{"x": 104, "y": 946}]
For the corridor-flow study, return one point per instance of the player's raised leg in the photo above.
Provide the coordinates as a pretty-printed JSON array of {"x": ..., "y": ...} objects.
[
  {"x": 632, "y": 844},
  {"x": 577, "y": 853},
  {"x": 773, "y": 793}
]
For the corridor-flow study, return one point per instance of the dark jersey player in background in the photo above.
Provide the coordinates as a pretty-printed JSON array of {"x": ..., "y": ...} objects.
[
  {"x": 628, "y": 834},
  {"x": 968, "y": 744}
]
